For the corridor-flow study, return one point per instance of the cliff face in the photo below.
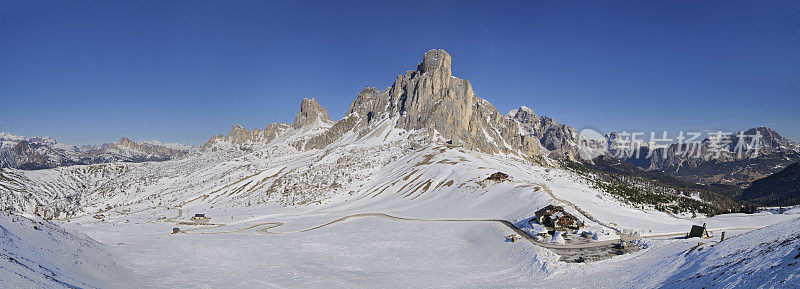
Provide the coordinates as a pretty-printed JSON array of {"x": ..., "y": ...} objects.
[
  {"x": 310, "y": 112},
  {"x": 239, "y": 136},
  {"x": 559, "y": 140},
  {"x": 431, "y": 100},
  {"x": 434, "y": 104}
]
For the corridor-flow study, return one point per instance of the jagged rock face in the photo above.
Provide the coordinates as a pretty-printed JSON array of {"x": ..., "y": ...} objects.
[
  {"x": 241, "y": 137},
  {"x": 44, "y": 152},
  {"x": 431, "y": 100},
  {"x": 528, "y": 121},
  {"x": 157, "y": 151},
  {"x": 771, "y": 141},
  {"x": 371, "y": 104},
  {"x": 433, "y": 104},
  {"x": 310, "y": 111},
  {"x": 560, "y": 139},
  {"x": 311, "y": 116}
]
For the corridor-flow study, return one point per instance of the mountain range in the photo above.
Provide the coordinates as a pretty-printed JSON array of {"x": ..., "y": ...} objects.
[
  {"x": 773, "y": 154},
  {"x": 35, "y": 153},
  {"x": 423, "y": 107}
]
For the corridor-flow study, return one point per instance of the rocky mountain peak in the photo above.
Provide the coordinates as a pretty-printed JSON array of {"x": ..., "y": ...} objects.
[
  {"x": 431, "y": 101},
  {"x": 435, "y": 60},
  {"x": 126, "y": 142},
  {"x": 770, "y": 137},
  {"x": 310, "y": 112},
  {"x": 239, "y": 133},
  {"x": 523, "y": 114}
]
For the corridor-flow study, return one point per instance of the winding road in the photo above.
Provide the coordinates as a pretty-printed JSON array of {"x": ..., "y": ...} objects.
[{"x": 266, "y": 227}]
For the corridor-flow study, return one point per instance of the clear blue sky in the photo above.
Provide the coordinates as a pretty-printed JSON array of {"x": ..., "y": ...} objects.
[{"x": 183, "y": 71}]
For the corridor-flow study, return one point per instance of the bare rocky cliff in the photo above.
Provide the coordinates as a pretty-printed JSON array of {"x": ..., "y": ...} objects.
[
  {"x": 432, "y": 101},
  {"x": 239, "y": 136},
  {"x": 560, "y": 140},
  {"x": 310, "y": 111},
  {"x": 436, "y": 106}
]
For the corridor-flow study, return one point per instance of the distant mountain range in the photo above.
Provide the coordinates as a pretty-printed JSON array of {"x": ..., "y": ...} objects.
[
  {"x": 34, "y": 153},
  {"x": 775, "y": 153}
]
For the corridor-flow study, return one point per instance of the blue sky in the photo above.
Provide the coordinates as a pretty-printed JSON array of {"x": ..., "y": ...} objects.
[{"x": 183, "y": 71}]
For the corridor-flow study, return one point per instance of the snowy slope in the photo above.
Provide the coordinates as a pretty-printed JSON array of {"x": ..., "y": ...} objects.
[
  {"x": 39, "y": 254},
  {"x": 764, "y": 258},
  {"x": 768, "y": 257}
]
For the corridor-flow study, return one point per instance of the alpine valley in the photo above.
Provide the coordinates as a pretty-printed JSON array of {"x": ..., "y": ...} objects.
[{"x": 420, "y": 184}]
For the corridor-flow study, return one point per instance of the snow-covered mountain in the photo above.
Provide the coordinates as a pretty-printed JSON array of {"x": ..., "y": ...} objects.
[
  {"x": 775, "y": 153},
  {"x": 396, "y": 188},
  {"x": 559, "y": 140},
  {"x": 425, "y": 114},
  {"x": 428, "y": 101},
  {"x": 45, "y": 152}
]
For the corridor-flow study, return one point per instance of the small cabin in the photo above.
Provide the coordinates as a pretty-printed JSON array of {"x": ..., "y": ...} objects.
[
  {"x": 698, "y": 231},
  {"x": 498, "y": 176},
  {"x": 200, "y": 218}
]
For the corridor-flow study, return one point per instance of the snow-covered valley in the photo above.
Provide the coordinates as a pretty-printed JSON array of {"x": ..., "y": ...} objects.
[{"x": 267, "y": 244}]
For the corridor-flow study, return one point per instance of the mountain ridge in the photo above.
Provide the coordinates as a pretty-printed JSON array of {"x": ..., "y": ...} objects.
[
  {"x": 439, "y": 107},
  {"x": 34, "y": 153}
]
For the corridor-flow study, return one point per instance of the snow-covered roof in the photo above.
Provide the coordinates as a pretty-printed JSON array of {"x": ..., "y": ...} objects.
[{"x": 538, "y": 229}]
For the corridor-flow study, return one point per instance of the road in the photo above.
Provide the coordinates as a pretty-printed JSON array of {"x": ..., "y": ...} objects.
[{"x": 266, "y": 227}]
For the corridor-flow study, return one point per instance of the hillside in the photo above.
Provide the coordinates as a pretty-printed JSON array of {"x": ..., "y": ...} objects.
[
  {"x": 39, "y": 254},
  {"x": 779, "y": 189}
]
